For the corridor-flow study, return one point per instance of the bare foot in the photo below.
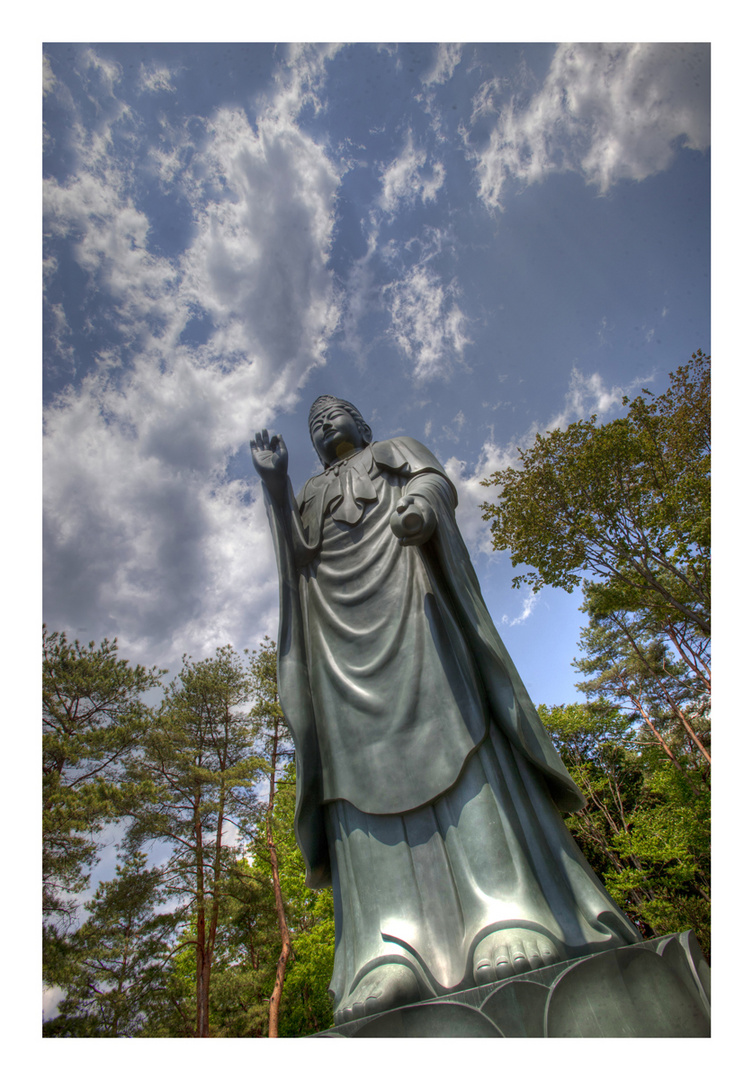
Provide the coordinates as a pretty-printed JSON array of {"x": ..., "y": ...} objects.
[
  {"x": 385, "y": 987},
  {"x": 504, "y": 953}
]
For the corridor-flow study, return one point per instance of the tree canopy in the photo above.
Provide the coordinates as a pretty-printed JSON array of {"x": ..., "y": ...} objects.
[
  {"x": 215, "y": 934},
  {"x": 93, "y": 717},
  {"x": 625, "y": 505}
]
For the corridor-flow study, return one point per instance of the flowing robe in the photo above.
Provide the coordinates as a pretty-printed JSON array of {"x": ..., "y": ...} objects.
[{"x": 427, "y": 787}]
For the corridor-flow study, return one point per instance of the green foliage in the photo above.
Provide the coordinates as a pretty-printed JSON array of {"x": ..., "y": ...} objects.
[
  {"x": 627, "y": 502},
  {"x": 196, "y": 775},
  {"x": 645, "y": 829},
  {"x": 246, "y": 945},
  {"x": 185, "y": 776},
  {"x": 306, "y": 1004},
  {"x": 309, "y": 916},
  {"x": 633, "y": 668},
  {"x": 92, "y": 720},
  {"x": 117, "y": 957}
]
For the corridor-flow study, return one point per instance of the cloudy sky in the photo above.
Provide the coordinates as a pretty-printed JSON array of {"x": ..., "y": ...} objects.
[{"x": 473, "y": 243}]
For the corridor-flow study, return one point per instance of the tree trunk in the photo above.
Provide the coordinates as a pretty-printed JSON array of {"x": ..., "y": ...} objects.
[
  {"x": 202, "y": 967},
  {"x": 274, "y": 1001}
]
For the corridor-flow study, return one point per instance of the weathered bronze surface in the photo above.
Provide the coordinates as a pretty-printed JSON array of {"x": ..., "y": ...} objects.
[{"x": 428, "y": 792}]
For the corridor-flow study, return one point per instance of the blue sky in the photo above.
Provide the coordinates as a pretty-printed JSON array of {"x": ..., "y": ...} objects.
[{"x": 473, "y": 243}]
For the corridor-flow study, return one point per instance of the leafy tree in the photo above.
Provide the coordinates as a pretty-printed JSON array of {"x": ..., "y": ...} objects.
[
  {"x": 624, "y": 505},
  {"x": 633, "y": 668},
  {"x": 247, "y": 974},
  {"x": 92, "y": 719},
  {"x": 645, "y": 830},
  {"x": 118, "y": 957},
  {"x": 598, "y": 749},
  {"x": 196, "y": 773},
  {"x": 243, "y": 967}
]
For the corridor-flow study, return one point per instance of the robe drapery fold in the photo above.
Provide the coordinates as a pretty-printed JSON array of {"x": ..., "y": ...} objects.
[{"x": 389, "y": 666}]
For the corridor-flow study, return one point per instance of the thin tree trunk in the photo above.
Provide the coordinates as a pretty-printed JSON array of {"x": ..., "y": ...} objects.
[
  {"x": 668, "y": 697},
  {"x": 202, "y": 974},
  {"x": 655, "y": 731},
  {"x": 274, "y": 1001}
]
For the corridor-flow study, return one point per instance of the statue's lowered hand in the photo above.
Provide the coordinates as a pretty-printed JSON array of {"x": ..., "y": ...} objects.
[{"x": 413, "y": 520}]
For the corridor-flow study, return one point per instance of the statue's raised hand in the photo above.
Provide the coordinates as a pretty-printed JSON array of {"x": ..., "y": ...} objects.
[{"x": 270, "y": 461}]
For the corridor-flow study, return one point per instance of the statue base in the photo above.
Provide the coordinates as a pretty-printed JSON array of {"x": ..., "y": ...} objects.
[{"x": 654, "y": 989}]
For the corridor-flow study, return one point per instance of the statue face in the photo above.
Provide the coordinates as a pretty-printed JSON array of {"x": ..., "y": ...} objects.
[{"x": 335, "y": 434}]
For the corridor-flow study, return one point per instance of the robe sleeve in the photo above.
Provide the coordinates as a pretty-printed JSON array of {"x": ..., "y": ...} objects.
[{"x": 293, "y": 683}]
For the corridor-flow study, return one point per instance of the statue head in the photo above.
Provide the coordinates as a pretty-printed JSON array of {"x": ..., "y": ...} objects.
[{"x": 337, "y": 428}]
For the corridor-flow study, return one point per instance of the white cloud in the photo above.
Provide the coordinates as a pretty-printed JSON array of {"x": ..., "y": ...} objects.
[
  {"x": 467, "y": 480},
  {"x": 446, "y": 60},
  {"x": 530, "y": 600},
  {"x": 427, "y": 322},
  {"x": 259, "y": 263},
  {"x": 48, "y": 77},
  {"x": 145, "y": 536},
  {"x": 407, "y": 179},
  {"x": 112, "y": 247},
  {"x": 143, "y": 533},
  {"x": 609, "y": 112},
  {"x": 60, "y": 334},
  {"x": 154, "y": 78},
  {"x": 452, "y": 430},
  {"x": 586, "y": 395},
  {"x": 299, "y": 79},
  {"x": 106, "y": 72}
]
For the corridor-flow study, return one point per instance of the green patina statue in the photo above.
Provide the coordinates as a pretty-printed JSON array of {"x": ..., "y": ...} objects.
[{"x": 428, "y": 792}]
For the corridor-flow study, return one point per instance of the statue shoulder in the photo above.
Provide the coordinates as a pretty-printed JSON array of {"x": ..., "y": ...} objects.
[{"x": 404, "y": 451}]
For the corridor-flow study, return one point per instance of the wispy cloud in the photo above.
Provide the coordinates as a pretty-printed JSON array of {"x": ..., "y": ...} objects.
[
  {"x": 300, "y": 79},
  {"x": 407, "y": 179},
  {"x": 609, "y": 112},
  {"x": 428, "y": 324},
  {"x": 48, "y": 77},
  {"x": 447, "y": 58},
  {"x": 155, "y": 78},
  {"x": 530, "y": 600}
]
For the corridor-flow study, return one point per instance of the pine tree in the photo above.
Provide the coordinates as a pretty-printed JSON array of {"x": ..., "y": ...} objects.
[
  {"x": 118, "y": 957},
  {"x": 92, "y": 720},
  {"x": 196, "y": 773}
]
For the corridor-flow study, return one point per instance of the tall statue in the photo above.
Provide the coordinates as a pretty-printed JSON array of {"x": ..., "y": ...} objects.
[{"x": 428, "y": 792}]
